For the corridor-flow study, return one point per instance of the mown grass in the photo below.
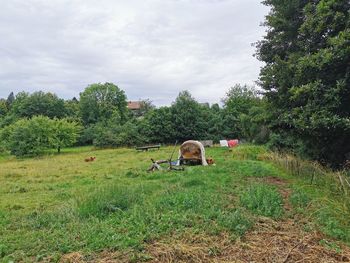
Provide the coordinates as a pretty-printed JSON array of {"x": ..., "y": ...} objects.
[{"x": 58, "y": 204}]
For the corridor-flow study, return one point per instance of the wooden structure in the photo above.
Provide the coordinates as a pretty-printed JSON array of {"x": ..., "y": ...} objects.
[{"x": 146, "y": 148}]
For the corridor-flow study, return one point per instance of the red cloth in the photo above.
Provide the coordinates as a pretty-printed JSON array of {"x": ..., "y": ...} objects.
[{"x": 232, "y": 143}]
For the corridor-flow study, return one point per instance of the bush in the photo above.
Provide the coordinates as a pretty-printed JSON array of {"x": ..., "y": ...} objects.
[
  {"x": 27, "y": 136},
  {"x": 263, "y": 200},
  {"x": 33, "y": 136},
  {"x": 113, "y": 135}
]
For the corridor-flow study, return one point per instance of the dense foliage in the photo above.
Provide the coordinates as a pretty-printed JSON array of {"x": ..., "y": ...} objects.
[
  {"x": 33, "y": 136},
  {"x": 34, "y": 122},
  {"x": 307, "y": 76}
]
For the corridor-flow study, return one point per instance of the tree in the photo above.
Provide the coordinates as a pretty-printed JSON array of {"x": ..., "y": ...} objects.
[
  {"x": 72, "y": 109},
  {"x": 114, "y": 134},
  {"x": 3, "y": 108},
  {"x": 64, "y": 133},
  {"x": 27, "y": 136},
  {"x": 10, "y": 100},
  {"x": 307, "y": 75},
  {"x": 186, "y": 118},
  {"x": 239, "y": 100},
  {"x": 101, "y": 102},
  {"x": 157, "y": 126},
  {"x": 34, "y": 136},
  {"x": 254, "y": 123},
  {"x": 214, "y": 122},
  {"x": 39, "y": 103}
]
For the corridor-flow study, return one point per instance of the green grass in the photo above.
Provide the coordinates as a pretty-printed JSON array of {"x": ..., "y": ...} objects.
[
  {"x": 57, "y": 204},
  {"x": 263, "y": 200}
]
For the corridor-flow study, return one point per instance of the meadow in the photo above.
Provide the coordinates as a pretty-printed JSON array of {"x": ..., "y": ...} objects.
[{"x": 59, "y": 208}]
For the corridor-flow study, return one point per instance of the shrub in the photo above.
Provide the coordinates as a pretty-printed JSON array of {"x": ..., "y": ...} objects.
[
  {"x": 27, "y": 136},
  {"x": 33, "y": 136},
  {"x": 112, "y": 135},
  {"x": 263, "y": 200}
]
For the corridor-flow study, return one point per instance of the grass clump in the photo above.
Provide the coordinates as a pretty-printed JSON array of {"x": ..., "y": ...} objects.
[
  {"x": 299, "y": 199},
  {"x": 248, "y": 152},
  {"x": 263, "y": 200},
  {"x": 108, "y": 199},
  {"x": 332, "y": 223},
  {"x": 236, "y": 221},
  {"x": 249, "y": 168}
]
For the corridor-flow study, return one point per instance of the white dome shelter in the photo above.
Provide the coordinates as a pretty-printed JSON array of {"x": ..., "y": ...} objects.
[{"x": 192, "y": 152}]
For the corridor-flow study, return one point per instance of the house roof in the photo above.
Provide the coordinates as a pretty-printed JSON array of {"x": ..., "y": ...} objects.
[{"x": 134, "y": 105}]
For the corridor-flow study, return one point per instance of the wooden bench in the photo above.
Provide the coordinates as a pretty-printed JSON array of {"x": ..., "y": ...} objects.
[{"x": 146, "y": 148}]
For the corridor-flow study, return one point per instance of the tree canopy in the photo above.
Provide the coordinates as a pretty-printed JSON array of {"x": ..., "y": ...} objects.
[
  {"x": 307, "y": 75},
  {"x": 101, "y": 102}
]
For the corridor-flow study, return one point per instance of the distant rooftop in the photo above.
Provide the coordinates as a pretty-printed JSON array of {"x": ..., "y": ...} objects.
[{"x": 134, "y": 105}]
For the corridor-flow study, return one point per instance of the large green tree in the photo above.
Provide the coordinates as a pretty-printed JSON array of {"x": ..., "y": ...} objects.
[
  {"x": 3, "y": 108},
  {"x": 187, "y": 118},
  {"x": 63, "y": 133},
  {"x": 157, "y": 126},
  {"x": 307, "y": 75},
  {"x": 103, "y": 102},
  {"x": 28, "y": 105},
  {"x": 239, "y": 100}
]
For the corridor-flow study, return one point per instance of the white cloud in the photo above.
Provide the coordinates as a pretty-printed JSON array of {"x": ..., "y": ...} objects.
[{"x": 151, "y": 49}]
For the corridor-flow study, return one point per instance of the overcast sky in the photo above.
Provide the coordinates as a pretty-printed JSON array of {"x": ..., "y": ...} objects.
[{"x": 149, "y": 48}]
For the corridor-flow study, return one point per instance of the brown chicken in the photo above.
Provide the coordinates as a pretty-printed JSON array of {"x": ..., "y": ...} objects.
[{"x": 90, "y": 159}]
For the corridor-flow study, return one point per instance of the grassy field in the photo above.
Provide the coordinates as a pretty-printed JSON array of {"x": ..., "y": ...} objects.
[{"x": 60, "y": 208}]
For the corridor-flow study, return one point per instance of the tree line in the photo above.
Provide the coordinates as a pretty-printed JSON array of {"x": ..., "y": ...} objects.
[{"x": 33, "y": 123}]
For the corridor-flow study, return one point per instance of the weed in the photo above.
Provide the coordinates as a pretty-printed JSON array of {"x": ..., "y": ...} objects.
[
  {"x": 235, "y": 221},
  {"x": 299, "y": 199},
  {"x": 331, "y": 225},
  {"x": 263, "y": 200},
  {"x": 330, "y": 245}
]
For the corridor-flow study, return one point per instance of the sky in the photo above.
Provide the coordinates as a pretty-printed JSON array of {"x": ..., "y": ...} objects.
[{"x": 151, "y": 49}]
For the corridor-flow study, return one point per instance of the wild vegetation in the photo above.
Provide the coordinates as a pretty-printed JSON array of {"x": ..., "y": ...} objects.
[
  {"x": 306, "y": 77},
  {"x": 55, "y": 205}
]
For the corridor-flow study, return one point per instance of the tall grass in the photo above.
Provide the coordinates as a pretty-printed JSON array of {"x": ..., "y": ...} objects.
[
  {"x": 108, "y": 199},
  {"x": 263, "y": 200},
  {"x": 337, "y": 182},
  {"x": 330, "y": 205}
]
